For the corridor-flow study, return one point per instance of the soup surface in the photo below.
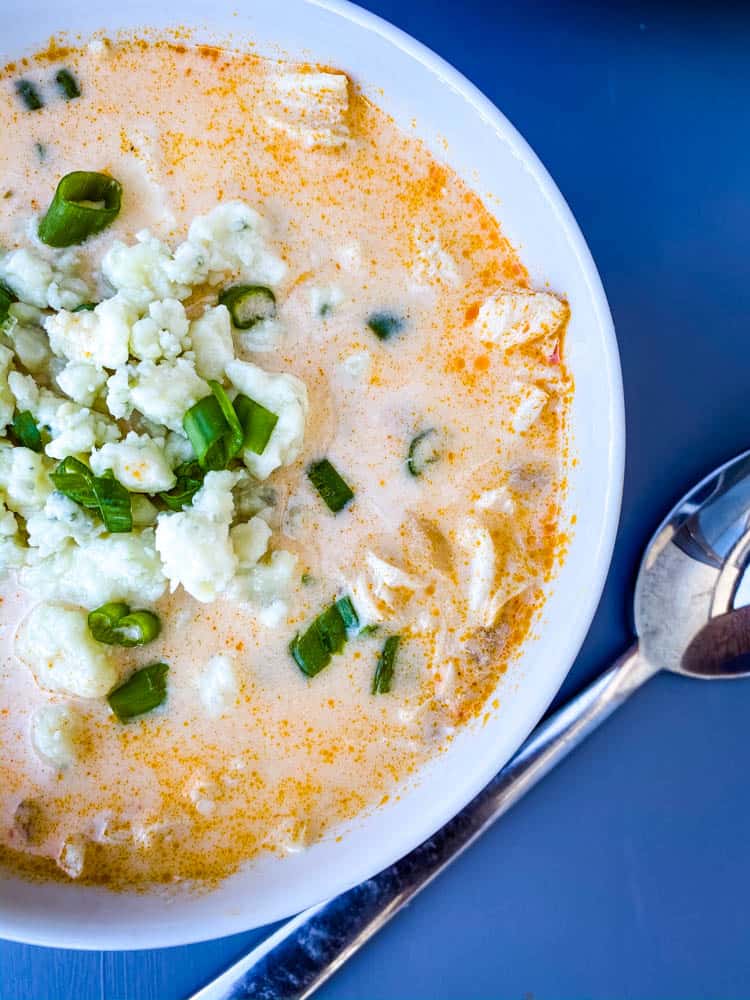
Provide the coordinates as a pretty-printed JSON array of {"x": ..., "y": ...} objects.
[{"x": 324, "y": 627}]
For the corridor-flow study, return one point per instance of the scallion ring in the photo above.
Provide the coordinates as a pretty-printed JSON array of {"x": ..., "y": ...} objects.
[
  {"x": 29, "y": 94},
  {"x": 68, "y": 84},
  {"x": 189, "y": 480},
  {"x": 248, "y": 304},
  {"x": 385, "y": 324},
  {"x": 102, "y": 494},
  {"x": 312, "y": 649},
  {"x": 257, "y": 423},
  {"x": 85, "y": 203},
  {"x": 26, "y": 431},
  {"x": 144, "y": 691},
  {"x": 116, "y": 625},
  {"x": 7, "y": 298},
  {"x": 207, "y": 428},
  {"x": 383, "y": 677},
  {"x": 236, "y": 437},
  {"x": 334, "y": 490},
  {"x": 425, "y": 449}
]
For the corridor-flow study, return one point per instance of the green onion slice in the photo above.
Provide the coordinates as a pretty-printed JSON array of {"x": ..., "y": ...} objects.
[
  {"x": 189, "y": 481},
  {"x": 145, "y": 690},
  {"x": 5, "y": 304},
  {"x": 333, "y": 489},
  {"x": 236, "y": 437},
  {"x": 68, "y": 84},
  {"x": 312, "y": 650},
  {"x": 26, "y": 431},
  {"x": 85, "y": 203},
  {"x": 116, "y": 625},
  {"x": 248, "y": 304},
  {"x": 86, "y": 307},
  {"x": 385, "y": 324},
  {"x": 207, "y": 428},
  {"x": 113, "y": 501},
  {"x": 102, "y": 494},
  {"x": 257, "y": 423},
  {"x": 381, "y": 681},
  {"x": 425, "y": 449},
  {"x": 29, "y": 95},
  {"x": 7, "y": 298}
]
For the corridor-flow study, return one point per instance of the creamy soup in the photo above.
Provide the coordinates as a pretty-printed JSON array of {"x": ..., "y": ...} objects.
[{"x": 285, "y": 414}]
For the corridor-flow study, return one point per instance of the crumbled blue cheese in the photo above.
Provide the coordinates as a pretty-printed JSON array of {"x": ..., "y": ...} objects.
[
  {"x": 284, "y": 395},
  {"x": 218, "y": 686},
  {"x": 163, "y": 333},
  {"x": 80, "y": 381},
  {"x": 74, "y": 429},
  {"x": 266, "y": 584},
  {"x": 141, "y": 270},
  {"x": 211, "y": 339},
  {"x": 24, "y": 479},
  {"x": 229, "y": 241},
  {"x": 122, "y": 567},
  {"x": 39, "y": 283},
  {"x": 162, "y": 392},
  {"x": 324, "y": 299},
  {"x": 7, "y": 400},
  {"x": 60, "y": 522},
  {"x": 137, "y": 462},
  {"x": 250, "y": 541},
  {"x": 138, "y": 353},
  {"x": 55, "y": 643},
  {"x": 194, "y": 544},
  {"x": 98, "y": 337},
  {"x": 30, "y": 345},
  {"x": 56, "y": 734}
]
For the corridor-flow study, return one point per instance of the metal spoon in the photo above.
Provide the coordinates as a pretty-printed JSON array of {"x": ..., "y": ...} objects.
[{"x": 686, "y": 589}]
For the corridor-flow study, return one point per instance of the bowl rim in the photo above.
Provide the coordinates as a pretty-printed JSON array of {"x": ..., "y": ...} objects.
[{"x": 66, "y": 935}]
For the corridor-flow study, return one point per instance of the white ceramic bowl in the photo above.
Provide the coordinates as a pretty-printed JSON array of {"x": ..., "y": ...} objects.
[{"x": 487, "y": 151}]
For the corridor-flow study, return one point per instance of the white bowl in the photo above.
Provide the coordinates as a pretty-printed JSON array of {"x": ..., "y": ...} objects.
[{"x": 488, "y": 152}]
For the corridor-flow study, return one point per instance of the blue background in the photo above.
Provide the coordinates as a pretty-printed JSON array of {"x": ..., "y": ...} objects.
[{"x": 626, "y": 873}]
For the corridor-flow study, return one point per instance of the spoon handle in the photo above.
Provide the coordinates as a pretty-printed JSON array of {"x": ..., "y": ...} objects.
[{"x": 304, "y": 952}]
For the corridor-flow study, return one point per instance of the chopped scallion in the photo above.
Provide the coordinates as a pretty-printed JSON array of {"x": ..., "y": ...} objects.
[
  {"x": 236, "y": 436},
  {"x": 86, "y": 307},
  {"x": 425, "y": 449},
  {"x": 26, "y": 431},
  {"x": 257, "y": 423},
  {"x": 333, "y": 489},
  {"x": 116, "y": 625},
  {"x": 144, "y": 691},
  {"x": 68, "y": 84},
  {"x": 385, "y": 324},
  {"x": 383, "y": 677},
  {"x": 248, "y": 304},
  {"x": 312, "y": 650},
  {"x": 102, "y": 494},
  {"x": 7, "y": 298},
  {"x": 189, "y": 480},
  {"x": 207, "y": 428},
  {"x": 84, "y": 204},
  {"x": 29, "y": 94}
]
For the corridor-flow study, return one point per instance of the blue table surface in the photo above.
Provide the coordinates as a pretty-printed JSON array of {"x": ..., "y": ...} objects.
[{"x": 626, "y": 873}]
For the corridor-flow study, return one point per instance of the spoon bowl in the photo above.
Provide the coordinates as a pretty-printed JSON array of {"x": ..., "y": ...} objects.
[{"x": 685, "y": 593}]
